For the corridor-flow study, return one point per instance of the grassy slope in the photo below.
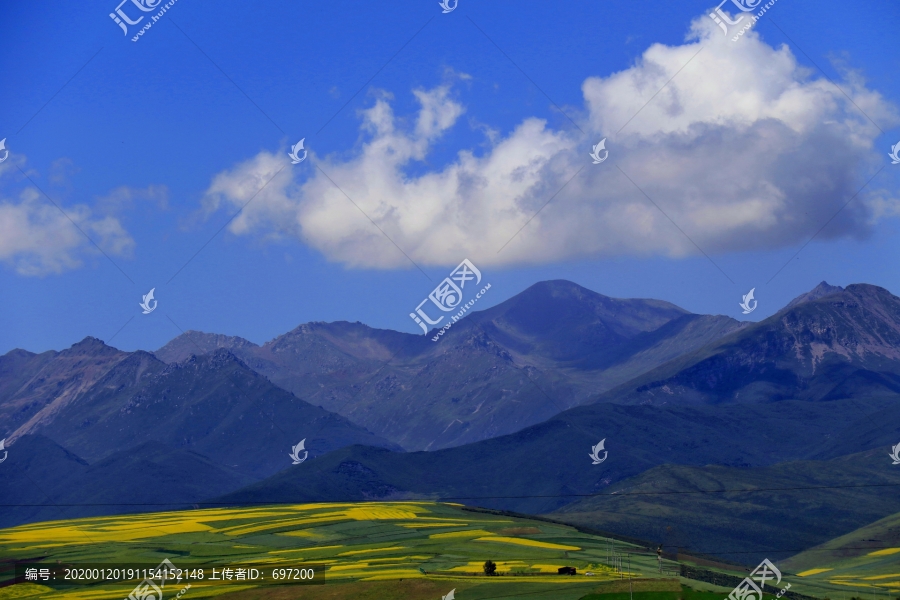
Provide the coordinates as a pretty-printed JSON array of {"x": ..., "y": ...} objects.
[
  {"x": 863, "y": 562},
  {"x": 791, "y": 511}
]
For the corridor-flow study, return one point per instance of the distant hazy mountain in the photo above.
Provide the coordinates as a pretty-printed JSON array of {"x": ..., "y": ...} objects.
[
  {"x": 213, "y": 405},
  {"x": 553, "y": 346},
  {"x": 842, "y": 344}
]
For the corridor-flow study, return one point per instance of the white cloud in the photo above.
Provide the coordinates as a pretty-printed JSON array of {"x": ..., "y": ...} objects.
[
  {"x": 744, "y": 149},
  {"x": 37, "y": 239},
  {"x": 126, "y": 197}
]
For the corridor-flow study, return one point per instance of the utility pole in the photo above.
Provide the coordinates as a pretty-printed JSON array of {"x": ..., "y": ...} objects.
[{"x": 630, "y": 594}]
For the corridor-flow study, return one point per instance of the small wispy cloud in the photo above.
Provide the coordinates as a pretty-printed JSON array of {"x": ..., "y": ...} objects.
[{"x": 37, "y": 239}]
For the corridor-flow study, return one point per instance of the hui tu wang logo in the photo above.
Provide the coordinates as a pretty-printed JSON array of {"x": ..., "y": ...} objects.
[
  {"x": 448, "y": 296},
  {"x": 595, "y": 452},
  {"x": 6, "y": 152},
  {"x": 723, "y": 20},
  {"x": 895, "y": 151},
  {"x": 595, "y": 154},
  {"x": 151, "y": 587},
  {"x": 148, "y": 298},
  {"x": 445, "y": 4},
  {"x": 5, "y": 452},
  {"x": 296, "y": 450},
  {"x": 123, "y": 20},
  {"x": 895, "y": 453},
  {"x": 721, "y": 17},
  {"x": 748, "y": 298},
  {"x": 295, "y": 153},
  {"x": 748, "y": 588}
]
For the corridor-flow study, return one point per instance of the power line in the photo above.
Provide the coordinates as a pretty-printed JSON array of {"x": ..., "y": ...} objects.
[{"x": 446, "y": 498}]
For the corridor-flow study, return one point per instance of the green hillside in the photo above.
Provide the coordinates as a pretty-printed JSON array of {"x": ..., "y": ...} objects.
[
  {"x": 785, "y": 508},
  {"x": 864, "y": 562}
]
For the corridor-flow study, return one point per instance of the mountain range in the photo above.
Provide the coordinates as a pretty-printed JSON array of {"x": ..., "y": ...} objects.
[
  {"x": 554, "y": 346},
  {"x": 502, "y": 412}
]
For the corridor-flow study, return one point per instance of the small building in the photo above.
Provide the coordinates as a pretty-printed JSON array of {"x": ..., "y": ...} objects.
[{"x": 566, "y": 571}]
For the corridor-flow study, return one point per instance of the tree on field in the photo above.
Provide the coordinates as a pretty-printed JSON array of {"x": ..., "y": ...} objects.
[{"x": 490, "y": 568}]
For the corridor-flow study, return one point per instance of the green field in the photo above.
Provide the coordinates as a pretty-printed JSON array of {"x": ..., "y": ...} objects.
[
  {"x": 378, "y": 550},
  {"x": 357, "y": 550}
]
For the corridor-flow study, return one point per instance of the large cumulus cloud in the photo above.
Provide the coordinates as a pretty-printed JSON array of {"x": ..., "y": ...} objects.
[{"x": 744, "y": 149}]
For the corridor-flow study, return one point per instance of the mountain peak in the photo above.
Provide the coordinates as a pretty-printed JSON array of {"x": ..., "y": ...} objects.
[
  {"x": 820, "y": 291},
  {"x": 193, "y": 342},
  {"x": 90, "y": 345},
  {"x": 89, "y": 341},
  {"x": 327, "y": 327}
]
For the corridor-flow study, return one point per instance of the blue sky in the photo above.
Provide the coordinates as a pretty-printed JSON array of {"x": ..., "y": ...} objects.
[{"x": 150, "y": 148}]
